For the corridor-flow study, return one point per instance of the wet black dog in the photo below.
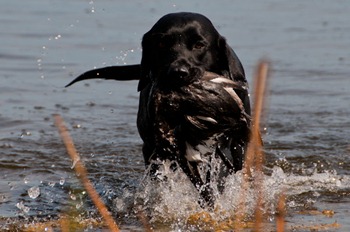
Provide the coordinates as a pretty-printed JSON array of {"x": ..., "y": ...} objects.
[{"x": 194, "y": 102}]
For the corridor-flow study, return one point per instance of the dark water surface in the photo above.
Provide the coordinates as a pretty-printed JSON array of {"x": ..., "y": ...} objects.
[{"x": 45, "y": 44}]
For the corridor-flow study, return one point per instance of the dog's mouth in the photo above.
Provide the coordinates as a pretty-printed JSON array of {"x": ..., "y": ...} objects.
[{"x": 178, "y": 76}]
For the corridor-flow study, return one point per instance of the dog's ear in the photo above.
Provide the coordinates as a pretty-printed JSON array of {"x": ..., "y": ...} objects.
[
  {"x": 145, "y": 78},
  {"x": 231, "y": 63}
]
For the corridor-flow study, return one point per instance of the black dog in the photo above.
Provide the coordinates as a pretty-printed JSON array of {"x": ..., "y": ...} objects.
[{"x": 193, "y": 97}]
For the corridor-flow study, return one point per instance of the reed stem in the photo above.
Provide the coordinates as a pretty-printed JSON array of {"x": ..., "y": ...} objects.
[{"x": 81, "y": 173}]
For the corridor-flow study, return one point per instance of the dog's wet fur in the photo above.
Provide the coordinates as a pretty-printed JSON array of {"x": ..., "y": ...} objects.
[{"x": 194, "y": 103}]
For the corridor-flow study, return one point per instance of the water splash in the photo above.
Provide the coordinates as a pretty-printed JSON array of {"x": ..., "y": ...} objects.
[{"x": 173, "y": 201}]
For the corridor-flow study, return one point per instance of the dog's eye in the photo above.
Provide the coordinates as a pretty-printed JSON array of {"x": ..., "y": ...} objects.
[
  {"x": 161, "y": 44},
  {"x": 198, "y": 45}
]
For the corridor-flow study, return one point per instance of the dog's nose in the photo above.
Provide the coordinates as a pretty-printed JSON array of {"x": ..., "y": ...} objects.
[{"x": 178, "y": 72}]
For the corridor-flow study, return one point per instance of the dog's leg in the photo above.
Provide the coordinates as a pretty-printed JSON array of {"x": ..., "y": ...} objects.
[
  {"x": 225, "y": 160},
  {"x": 204, "y": 189}
]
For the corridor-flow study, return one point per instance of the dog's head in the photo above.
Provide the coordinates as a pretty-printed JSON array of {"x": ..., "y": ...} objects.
[{"x": 180, "y": 47}]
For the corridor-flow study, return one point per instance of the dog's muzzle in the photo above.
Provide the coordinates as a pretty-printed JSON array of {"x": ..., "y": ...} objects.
[{"x": 180, "y": 73}]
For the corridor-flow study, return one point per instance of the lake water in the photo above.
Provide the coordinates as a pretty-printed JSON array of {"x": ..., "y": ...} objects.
[{"x": 45, "y": 44}]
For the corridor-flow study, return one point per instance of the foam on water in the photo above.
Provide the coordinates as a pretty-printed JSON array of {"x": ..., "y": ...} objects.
[{"x": 173, "y": 200}]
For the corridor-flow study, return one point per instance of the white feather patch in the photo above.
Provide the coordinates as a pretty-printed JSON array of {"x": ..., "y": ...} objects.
[
  {"x": 208, "y": 119},
  {"x": 192, "y": 154},
  {"x": 235, "y": 97},
  {"x": 221, "y": 80}
]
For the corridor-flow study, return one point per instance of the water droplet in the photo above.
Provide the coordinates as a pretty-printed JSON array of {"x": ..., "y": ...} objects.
[
  {"x": 74, "y": 163},
  {"x": 291, "y": 204},
  {"x": 73, "y": 197},
  {"x": 91, "y": 104},
  {"x": 34, "y": 192},
  {"x": 3, "y": 198},
  {"x": 79, "y": 205},
  {"x": 77, "y": 126},
  {"x": 22, "y": 207},
  {"x": 6, "y": 145},
  {"x": 316, "y": 194},
  {"x": 51, "y": 184},
  {"x": 25, "y": 133}
]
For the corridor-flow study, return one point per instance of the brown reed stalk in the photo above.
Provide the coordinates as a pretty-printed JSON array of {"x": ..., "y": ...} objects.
[
  {"x": 281, "y": 213},
  {"x": 64, "y": 223},
  {"x": 256, "y": 151},
  {"x": 254, "y": 156},
  {"x": 81, "y": 173},
  {"x": 146, "y": 225}
]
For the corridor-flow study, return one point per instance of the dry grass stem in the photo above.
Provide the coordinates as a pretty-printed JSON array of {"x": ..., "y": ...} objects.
[
  {"x": 281, "y": 213},
  {"x": 144, "y": 220},
  {"x": 255, "y": 148},
  {"x": 64, "y": 223},
  {"x": 254, "y": 156},
  {"x": 82, "y": 174}
]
